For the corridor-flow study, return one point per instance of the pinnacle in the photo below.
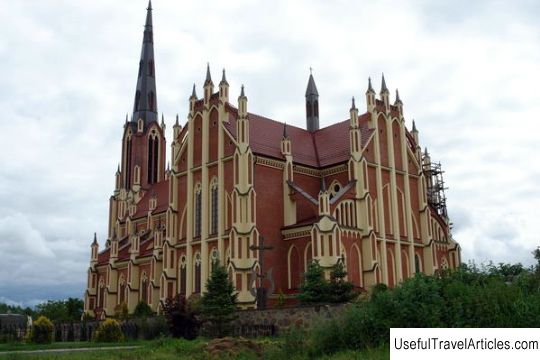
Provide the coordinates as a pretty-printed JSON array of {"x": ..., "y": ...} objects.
[
  {"x": 208, "y": 80},
  {"x": 193, "y": 92},
  {"x": 383, "y": 85},
  {"x": 370, "y": 88},
  {"x": 224, "y": 79},
  {"x": 242, "y": 94}
]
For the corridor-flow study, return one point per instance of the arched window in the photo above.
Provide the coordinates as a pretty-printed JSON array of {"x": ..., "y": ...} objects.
[
  {"x": 101, "y": 293},
  {"x": 214, "y": 258},
  {"x": 183, "y": 271},
  {"x": 127, "y": 180},
  {"x": 198, "y": 194},
  {"x": 417, "y": 263},
  {"x": 214, "y": 207},
  {"x": 144, "y": 289},
  {"x": 197, "y": 273},
  {"x": 121, "y": 290},
  {"x": 153, "y": 157}
]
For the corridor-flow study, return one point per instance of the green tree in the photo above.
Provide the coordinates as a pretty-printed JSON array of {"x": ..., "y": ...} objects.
[
  {"x": 61, "y": 310},
  {"x": 315, "y": 288},
  {"x": 218, "y": 303},
  {"x": 142, "y": 310},
  {"x": 340, "y": 290}
]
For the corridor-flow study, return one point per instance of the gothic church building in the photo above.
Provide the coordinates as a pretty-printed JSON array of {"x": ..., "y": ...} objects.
[{"x": 360, "y": 191}]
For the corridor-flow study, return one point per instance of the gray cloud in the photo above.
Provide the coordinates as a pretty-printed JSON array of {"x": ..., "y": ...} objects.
[{"x": 467, "y": 74}]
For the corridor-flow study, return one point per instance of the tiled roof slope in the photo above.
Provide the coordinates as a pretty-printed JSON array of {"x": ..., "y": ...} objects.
[{"x": 324, "y": 147}]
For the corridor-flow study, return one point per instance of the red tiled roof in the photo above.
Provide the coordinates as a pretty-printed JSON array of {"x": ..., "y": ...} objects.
[
  {"x": 161, "y": 190},
  {"x": 324, "y": 147},
  {"x": 103, "y": 257}
]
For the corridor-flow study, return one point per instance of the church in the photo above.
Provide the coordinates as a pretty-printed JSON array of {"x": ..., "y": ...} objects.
[{"x": 264, "y": 197}]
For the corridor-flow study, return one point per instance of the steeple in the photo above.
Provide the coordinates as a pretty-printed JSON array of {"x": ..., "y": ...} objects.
[
  {"x": 370, "y": 96},
  {"x": 312, "y": 105},
  {"x": 145, "y": 105},
  {"x": 224, "y": 88}
]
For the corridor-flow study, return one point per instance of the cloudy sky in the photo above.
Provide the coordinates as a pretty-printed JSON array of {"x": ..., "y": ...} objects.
[{"x": 467, "y": 71}]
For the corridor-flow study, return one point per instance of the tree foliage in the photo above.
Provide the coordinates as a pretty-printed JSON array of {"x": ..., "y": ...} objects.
[
  {"x": 181, "y": 318},
  {"x": 61, "y": 310},
  {"x": 218, "y": 303},
  {"x": 42, "y": 331},
  {"x": 316, "y": 289},
  {"x": 142, "y": 310}
]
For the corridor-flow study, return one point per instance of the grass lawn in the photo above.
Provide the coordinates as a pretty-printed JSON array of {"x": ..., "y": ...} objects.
[
  {"x": 167, "y": 348},
  {"x": 14, "y": 346}
]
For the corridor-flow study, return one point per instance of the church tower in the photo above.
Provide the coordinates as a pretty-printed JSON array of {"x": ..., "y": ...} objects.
[{"x": 143, "y": 146}]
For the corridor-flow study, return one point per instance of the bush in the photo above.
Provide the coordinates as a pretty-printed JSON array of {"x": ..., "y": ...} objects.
[
  {"x": 108, "y": 331},
  {"x": 181, "y": 318},
  {"x": 153, "y": 328},
  {"x": 42, "y": 331},
  {"x": 340, "y": 290},
  {"x": 142, "y": 310}
]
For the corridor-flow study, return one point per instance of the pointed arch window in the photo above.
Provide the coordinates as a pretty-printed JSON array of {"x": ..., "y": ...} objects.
[
  {"x": 198, "y": 196},
  {"x": 214, "y": 207},
  {"x": 101, "y": 293},
  {"x": 183, "y": 272},
  {"x": 153, "y": 157},
  {"x": 144, "y": 289},
  {"x": 197, "y": 273}
]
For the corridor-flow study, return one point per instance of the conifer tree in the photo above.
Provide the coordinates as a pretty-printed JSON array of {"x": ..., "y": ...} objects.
[
  {"x": 218, "y": 303},
  {"x": 340, "y": 289},
  {"x": 315, "y": 288}
]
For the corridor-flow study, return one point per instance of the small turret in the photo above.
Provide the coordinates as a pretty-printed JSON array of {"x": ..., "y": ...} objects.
[
  {"x": 242, "y": 124},
  {"x": 285, "y": 142},
  {"x": 118, "y": 179},
  {"x": 192, "y": 99},
  {"x": 177, "y": 128},
  {"x": 370, "y": 96},
  {"x": 224, "y": 88},
  {"x": 415, "y": 133},
  {"x": 312, "y": 105},
  {"x": 208, "y": 85},
  {"x": 385, "y": 95},
  {"x": 242, "y": 104},
  {"x": 95, "y": 249},
  {"x": 399, "y": 104},
  {"x": 353, "y": 112}
]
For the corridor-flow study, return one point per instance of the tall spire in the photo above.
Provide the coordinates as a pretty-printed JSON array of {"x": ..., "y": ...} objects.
[
  {"x": 145, "y": 105},
  {"x": 312, "y": 105}
]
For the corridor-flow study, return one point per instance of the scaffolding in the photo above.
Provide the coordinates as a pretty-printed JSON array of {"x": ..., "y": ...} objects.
[{"x": 435, "y": 186}]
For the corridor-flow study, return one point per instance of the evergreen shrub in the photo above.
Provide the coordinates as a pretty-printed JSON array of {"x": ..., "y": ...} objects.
[
  {"x": 42, "y": 331},
  {"x": 108, "y": 331}
]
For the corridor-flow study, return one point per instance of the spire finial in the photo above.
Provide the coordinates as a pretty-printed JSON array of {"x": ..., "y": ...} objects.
[
  {"x": 149, "y": 5},
  {"x": 398, "y": 100},
  {"x": 414, "y": 126},
  {"x": 208, "y": 80},
  {"x": 176, "y": 122},
  {"x": 242, "y": 91},
  {"x": 193, "y": 92},
  {"x": 310, "y": 70},
  {"x": 95, "y": 239},
  {"x": 353, "y": 105},
  {"x": 162, "y": 118},
  {"x": 383, "y": 85},
  {"x": 118, "y": 169},
  {"x": 370, "y": 88},
  {"x": 126, "y": 117},
  {"x": 285, "y": 135}
]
